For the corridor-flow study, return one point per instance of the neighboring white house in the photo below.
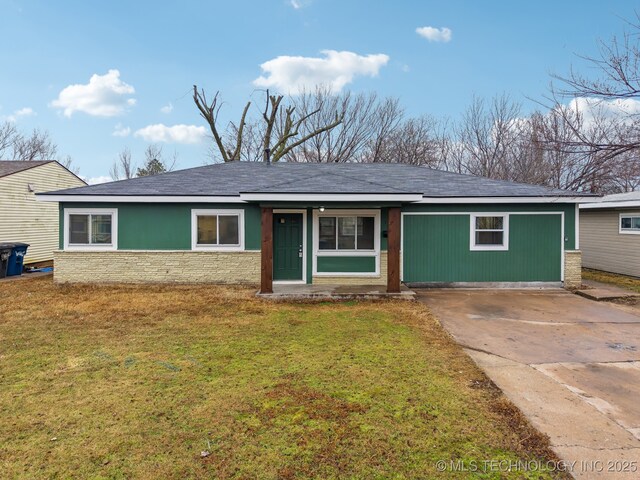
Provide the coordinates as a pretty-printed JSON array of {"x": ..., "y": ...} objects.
[
  {"x": 22, "y": 218},
  {"x": 610, "y": 234}
]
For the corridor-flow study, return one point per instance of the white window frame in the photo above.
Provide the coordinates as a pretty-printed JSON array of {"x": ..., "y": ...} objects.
[
  {"x": 91, "y": 246},
  {"x": 622, "y": 231},
  {"x": 195, "y": 213},
  {"x": 505, "y": 235},
  {"x": 346, "y": 253}
]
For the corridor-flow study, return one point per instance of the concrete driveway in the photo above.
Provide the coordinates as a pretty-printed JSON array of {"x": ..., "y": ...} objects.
[{"x": 570, "y": 364}]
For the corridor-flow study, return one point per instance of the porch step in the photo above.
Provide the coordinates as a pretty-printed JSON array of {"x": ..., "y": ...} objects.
[{"x": 334, "y": 292}]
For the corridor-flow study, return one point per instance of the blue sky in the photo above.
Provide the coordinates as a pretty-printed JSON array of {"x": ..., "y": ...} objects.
[{"x": 147, "y": 55}]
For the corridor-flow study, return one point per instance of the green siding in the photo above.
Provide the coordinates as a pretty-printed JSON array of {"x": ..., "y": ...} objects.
[
  {"x": 568, "y": 209},
  {"x": 346, "y": 264},
  {"x": 166, "y": 226},
  {"x": 436, "y": 248}
]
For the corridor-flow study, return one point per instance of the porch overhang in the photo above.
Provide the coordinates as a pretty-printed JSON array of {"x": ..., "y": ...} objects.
[{"x": 330, "y": 197}]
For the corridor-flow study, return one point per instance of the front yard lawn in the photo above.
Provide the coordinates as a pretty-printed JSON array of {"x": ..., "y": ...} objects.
[{"x": 137, "y": 381}]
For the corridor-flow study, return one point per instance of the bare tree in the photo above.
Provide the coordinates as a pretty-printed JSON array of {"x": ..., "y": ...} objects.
[
  {"x": 486, "y": 137},
  {"x": 349, "y": 140},
  {"x": 289, "y": 136},
  {"x": 8, "y": 135},
  {"x": 37, "y": 146},
  {"x": 155, "y": 163},
  {"x": 123, "y": 168}
]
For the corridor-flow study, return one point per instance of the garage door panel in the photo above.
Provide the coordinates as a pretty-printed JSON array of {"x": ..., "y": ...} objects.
[{"x": 436, "y": 249}]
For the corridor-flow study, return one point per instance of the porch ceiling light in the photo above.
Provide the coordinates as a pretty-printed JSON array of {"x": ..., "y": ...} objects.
[{"x": 322, "y": 209}]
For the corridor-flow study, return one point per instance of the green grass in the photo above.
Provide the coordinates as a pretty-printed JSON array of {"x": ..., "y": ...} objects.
[
  {"x": 623, "y": 281},
  {"x": 135, "y": 382}
]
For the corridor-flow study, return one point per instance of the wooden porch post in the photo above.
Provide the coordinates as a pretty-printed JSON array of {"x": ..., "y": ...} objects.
[
  {"x": 266, "y": 251},
  {"x": 393, "y": 250}
]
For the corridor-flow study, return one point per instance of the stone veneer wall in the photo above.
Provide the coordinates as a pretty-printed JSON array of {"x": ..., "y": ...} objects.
[
  {"x": 572, "y": 268},
  {"x": 134, "y": 266},
  {"x": 340, "y": 280}
]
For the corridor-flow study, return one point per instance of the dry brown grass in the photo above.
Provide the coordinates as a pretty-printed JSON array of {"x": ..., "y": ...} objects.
[
  {"x": 623, "y": 281},
  {"x": 136, "y": 381}
]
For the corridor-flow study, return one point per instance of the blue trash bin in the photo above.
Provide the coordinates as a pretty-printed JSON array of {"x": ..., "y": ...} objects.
[{"x": 16, "y": 259}]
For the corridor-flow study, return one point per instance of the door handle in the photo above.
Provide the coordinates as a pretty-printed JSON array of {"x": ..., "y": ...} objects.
[{"x": 300, "y": 251}]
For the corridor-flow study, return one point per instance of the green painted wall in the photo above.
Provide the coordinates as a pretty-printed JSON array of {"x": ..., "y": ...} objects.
[
  {"x": 436, "y": 248},
  {"x": 567, "y": 208},
  {"x": 346, "y": 264},
  {"x": 166, "y": 226}
]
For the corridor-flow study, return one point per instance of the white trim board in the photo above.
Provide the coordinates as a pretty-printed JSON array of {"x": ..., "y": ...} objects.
[
  {"x": 90, "y": 247},
  {"x": 302, "y": 211},
  {"x": 597, "y": 205},
  {"x": 316, "y": 252},
  {"x": 195, "y": 212},
  {"x": 328, "y": 197},
  {"x": 627, "y": 232},
  {"x": 475, "y": 200},
  {"x": 138, "y": 198}
]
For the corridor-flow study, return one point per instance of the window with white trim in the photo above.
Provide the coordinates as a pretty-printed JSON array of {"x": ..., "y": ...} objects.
[
  {"x": 630, "y": 223},
  {"x": 489, "y": 232},
  {"x": 90, "y": 228},
  {"x": 346, "y": 233},
  {"x": 217, "y": 229}
]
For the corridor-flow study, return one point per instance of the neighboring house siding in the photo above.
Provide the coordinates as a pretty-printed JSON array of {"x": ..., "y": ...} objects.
[
  {"x": 23, "y": 218},
  {"x": 603, "y": 247},
  {"x": 165, "y": 226},
  {"x": 436, "y": 247}
]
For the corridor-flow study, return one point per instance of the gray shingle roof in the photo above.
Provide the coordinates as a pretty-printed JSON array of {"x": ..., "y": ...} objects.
[
  {"x": 231, "y": 179},
  {"x": 8, "y": 167}
]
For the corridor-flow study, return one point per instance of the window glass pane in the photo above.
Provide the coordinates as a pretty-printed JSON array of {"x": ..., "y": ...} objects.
[
  {"x": 229, "y": 230},
  {"x": 79, "y": 229},
  {"x": 327, "y": 233},
  {"x": 635, "y": 223},
  {"x": 101, "y": 229},
  {"x": 625, "y": 222},
  {"x": 365, "y": 233},
  {"x": 346, "y": 233},
  {"x": 489, "y": 223},
  {"x": 207, "y": 230},
  {"x": 489, "y": 238}
]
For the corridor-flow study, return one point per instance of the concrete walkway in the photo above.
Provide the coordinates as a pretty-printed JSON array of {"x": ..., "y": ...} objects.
[
  {"x": 570, "y": 364},
  {"x": 603, "y": 291}
]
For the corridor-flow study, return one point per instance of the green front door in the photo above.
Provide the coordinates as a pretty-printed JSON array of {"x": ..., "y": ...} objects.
[{"x": 287, "y": 246}]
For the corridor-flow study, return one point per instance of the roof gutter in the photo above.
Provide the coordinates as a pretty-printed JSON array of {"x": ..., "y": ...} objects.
[
  {"x": 627, "y": 204},
  {"x": 44, "y": 197},
  {"x": 331, "y": 197},
  {"x": 551, "y": 199}
]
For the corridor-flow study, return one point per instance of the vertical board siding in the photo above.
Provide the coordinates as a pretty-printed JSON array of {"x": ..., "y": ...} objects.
[
  {"x": 166, "y": 226},
  {"x": 436, "y": 249},
  {"x": 344, "y": 264},
  {"x": 604, "y": 247},
  {"x": 568, "y": 209},
  {"x": 23, "y": 218}
]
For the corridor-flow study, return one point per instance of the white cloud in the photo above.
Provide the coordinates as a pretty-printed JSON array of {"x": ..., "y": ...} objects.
[
  {"x": 121, "y": 131},
  {"x": 335, "y": 70},
  {"x": 167, "y": 108},
  {"x": 435, "y": 34},
  {"x": 96, "y": 180},
  {"x": 298, "y": 4},
  {"x": 174, "y": 134},
  {"x": 22, "y": 112},
  {"x": 592, "y": 108},
  {"x": 104, "y": 96}
]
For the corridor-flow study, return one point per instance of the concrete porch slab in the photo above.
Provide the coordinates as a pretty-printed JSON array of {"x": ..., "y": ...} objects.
[{"x": 333, "y": 292}]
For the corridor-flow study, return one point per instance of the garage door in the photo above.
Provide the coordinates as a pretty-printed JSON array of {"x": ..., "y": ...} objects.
[{"x": 436, "y": 248}]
